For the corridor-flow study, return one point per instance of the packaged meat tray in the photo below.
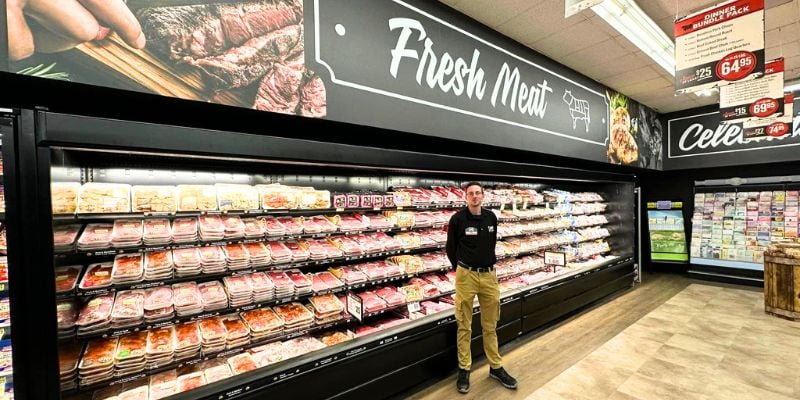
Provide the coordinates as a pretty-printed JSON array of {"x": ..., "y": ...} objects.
[
  {"x": 391, "y": 295},
  {"x": 95, "y": 237},
  {"x": 217, "y": 372},
  {"x": 68, "y": 357},
  {"x": 128, "y": 268},
  {"x": 334, "y": 338},
  {"x": 131, "y": 347},
  {"x": 326, "y": 305},
  {"x": 278, "y": 197},
  {"x": 263, "y": 288},
  {"x": 213, "y": 295},
  {"x": 96, "y": 312},
  {"x": 349, "y": 275},
  {"x": 253, "y": 228},
  {"x": 67, "y": 278},
  {"x": 163, "y": 384},
  {"x": 64, "y": 236},
  {"x": 99, "y": 354},
  {"x": 279, "y": 252},
  {"x": 157, "y": 298},
  {"x": 235, "y": 328},
  {"x": 302, "y": 345},
  {"x": 64, "y": 197},
  {"x": 127, "y": 232},
  {"x": 368, "y": 243},
  {"x": 242, "y": 363},
  {"x": 104, "y": 198},
  {"x": 191, "y": 381},
  {"x": 299, "y": 253},
  {"x": 212, "y": 259},
  {"x": 97, "y": 276},
  {"x": 128, "y": 308},
  {"x": 389, "y": 243},
  {"x": 186, "y": 298},
  {"x": 236, "y": 256},
  {"x": 158, "y": 265},
  {"x": 268, "y": 354},
  {"x": 187, "y": 261},
  {"x": 314, "y": 199},
  {"x": 187, "y": 336},
  {"x": 272, "y": 226},
  {"x": 262, "y": 320},
  {"x": 237, "y": 197},
  {"x": 309, "y": 226},
  {"x": 211, "y": 228},
  {"x": 259, "y": 254},
  {"x": 372, "y": 302},
  {"x": 67, "y": 315},
  {"x": 184, "y": 230},
  {"x": 325, "y": 225},
  {"x": 302, "y": 283},
  {"x": 157, "y": 232},
  {"x": 160, "y": 343},
  {"x": 154, "y": 199},
  {"x": 234, "y": 227},
  {"x": 140, "y": 391},
  {"x": 292, "y": 226},
  {"x": 213, "y": 334},
  {"x": 197, "y": 198}
]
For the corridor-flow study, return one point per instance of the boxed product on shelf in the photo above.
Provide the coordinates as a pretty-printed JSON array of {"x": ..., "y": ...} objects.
[
  {"x": 197, "y": 198},
  {"x": 154, "y": 199},
  {"x": 104, "y": 198},
  {"x": 67, "y": 278},
  {"x": 64, "y": 197}
]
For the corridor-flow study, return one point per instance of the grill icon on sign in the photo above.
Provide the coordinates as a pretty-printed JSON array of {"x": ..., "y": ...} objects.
[{"x": 578, "y": 109}]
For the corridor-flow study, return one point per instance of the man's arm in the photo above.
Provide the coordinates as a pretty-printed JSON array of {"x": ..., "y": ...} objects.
[{"x": 452, "y": 241}]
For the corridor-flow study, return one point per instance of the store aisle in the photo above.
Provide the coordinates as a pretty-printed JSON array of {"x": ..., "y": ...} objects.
[{"x": 671, "y": 338}]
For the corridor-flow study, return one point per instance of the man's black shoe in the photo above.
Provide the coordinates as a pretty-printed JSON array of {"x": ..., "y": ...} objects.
[
  {"x": 501, "y": 375},
  {"x": 463, "y": 381}
]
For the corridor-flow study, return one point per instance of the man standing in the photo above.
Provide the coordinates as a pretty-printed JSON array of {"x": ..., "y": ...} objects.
[{"x": 471, "y": 237}]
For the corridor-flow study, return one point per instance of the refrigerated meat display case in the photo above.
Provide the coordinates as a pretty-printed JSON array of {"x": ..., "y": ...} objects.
[{"x": 192, "y": 263}]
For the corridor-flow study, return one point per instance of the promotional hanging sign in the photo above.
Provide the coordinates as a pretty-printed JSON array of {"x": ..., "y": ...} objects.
[
  {"x": 774, "y": 126},
  {"x": 756, "y": 98},
  {"x": 719, "y": 45}
]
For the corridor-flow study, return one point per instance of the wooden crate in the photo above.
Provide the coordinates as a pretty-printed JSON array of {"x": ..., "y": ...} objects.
[{"x": 782, "y": 280}]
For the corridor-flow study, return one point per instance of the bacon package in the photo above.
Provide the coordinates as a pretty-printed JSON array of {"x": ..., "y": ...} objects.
[
  {"x": 64, "y": 236},
  {"x": 154, "y": 199},
  {"x": 97, "y": 276}
]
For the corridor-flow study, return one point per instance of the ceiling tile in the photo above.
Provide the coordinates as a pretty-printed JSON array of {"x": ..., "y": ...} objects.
[
  {"x": 500, "y": 11},
  {"x": 595, "y": 56},
  {"x": 631, "y": 76},
  {"x": 534, "y": 24},
  {"x": 781, "y": 16}
]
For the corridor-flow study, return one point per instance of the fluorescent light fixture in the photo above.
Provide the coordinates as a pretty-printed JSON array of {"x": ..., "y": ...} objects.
[
  {"x": 792, "y": 86},
  {"x": 706, "y": 92},
  {"x": 628, "y": 19}
]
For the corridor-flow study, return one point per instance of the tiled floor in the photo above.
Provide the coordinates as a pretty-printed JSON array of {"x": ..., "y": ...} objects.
[
  {"x": 670, "y": 338},
  {"x": 706, "y": 342}
]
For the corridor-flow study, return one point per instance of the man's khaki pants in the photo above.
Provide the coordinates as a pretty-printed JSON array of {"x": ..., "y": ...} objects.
[{"x": 484, "y": 285}]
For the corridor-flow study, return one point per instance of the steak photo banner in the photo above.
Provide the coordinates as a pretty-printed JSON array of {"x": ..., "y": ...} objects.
[{"x": 410, "y": 65}]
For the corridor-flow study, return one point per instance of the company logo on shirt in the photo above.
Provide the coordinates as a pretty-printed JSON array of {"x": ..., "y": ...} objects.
[
  {"x": 471, "y": 231},
  {"x": 491, "y": 228}
]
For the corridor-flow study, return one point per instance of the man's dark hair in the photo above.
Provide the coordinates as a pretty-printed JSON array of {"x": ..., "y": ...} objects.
[{"x": 473, "y": 183}]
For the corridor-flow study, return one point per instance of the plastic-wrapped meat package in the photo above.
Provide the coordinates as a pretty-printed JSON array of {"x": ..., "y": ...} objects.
[
  {"x": 242, "y": 363},
  {"x": 324, "y": 224},
  {"x": 261, "y": 283},
  {"x": 331, "y": 251},
  {"x": 160, "y": 345},
  {"x": 163, "y": 384},
  {"x": 197, "y": 198},
  {"x": 389, "y": 243},
  {"x": 430, "y": 307},
  {"x": 372, "y": 270},
  {"x": 190, "y": 381},
  {"x": 309, "y": 226},
  {"x": 95, "y": 237},
  {"x": 369, "y": 244},
  {"x": 349, "y": 246},
  {"x": 299, "y": 253},
  {"x": 158, "y": 265},
  {"x": 365, "y": 330},
  {"x": 128, "y": 268},
  {"x": 67, "y": 315},
  {"x": 236, "y": 256},
  {"x": 302, "y": 345},
  {"x": 212, "y": 329},
  {"x": 262, "y": 320},
  {"x": 154, "y": 199},
  {"x": 187, "y": 261},
  {"x": 128, "y": 306},
  {"x": 184, "y": 230},
  {"x": 157, "y": 298},
  {"x": 96, "y": 311},
  {"x": 372, "y": 302},
  {"x": 97, "y": 360},
  {"x": 97, "y": 276},
  {"x": 329, "y": 279},
  {"x": 64, "y": 236},
  {"x": 211, "y": 227},
  {"x": 68, "y": 357},
  {"x": 237, "y": 197},
  {"x": 234, "y": 227},
  {"x": 277, "y": 196},
  {"x": 326, "y": 305},
  {"x": 213, "y": 295},
  {"x": 348, "y": 223},
  {"x": 378, "y": 221},
  {"x": 301, "y": 282},
  {"x": 186, "y": 298},
  {"x": 157, "y": 232},
  {"x": 104, "y": 198},
  {"x": 64, "y": 197},
  {"x": 291, "y": 225},
  {"x": 351, "y": 275},
  {"x": 279, "y": 252},
  {"x": 423, "y": 219},
  {"x": 316, "y": 251},
  {"x": 212, "y": 259},
  {"x": 272, "y": 226},
  {"x": 432, "y": 262},
  {"x": 67, "y": 278},
  {"x": 131, "y": 347},
  {"x": 217, "y": 372},
  {"x": 259, "y": 254},
  {"x": 294, "y": 314},
  {"x": 390, "y": 295},
  {"x": 253, "y": 228},
  {"x": 187, "y": 336},
  {"x": 235, "y": 329},
  {"x": 127, "y": 233}
]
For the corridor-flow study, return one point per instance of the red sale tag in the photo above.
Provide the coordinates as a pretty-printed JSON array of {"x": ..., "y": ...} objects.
[
  {"x": 777, "y": 129},
  {"x": 764, "y": 107},
  {"x": 736, "y": 65}
]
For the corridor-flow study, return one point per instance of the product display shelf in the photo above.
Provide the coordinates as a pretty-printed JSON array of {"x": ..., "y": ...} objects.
[{"x": 230, "y": 310}]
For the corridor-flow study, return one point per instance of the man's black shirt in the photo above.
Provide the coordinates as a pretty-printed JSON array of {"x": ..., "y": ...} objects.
[{"x": 471, "y": 238}]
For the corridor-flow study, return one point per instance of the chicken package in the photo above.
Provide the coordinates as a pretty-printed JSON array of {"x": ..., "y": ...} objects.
[
  {"x": 97, "y": 276},
  {"x": 186, "y": 298},
  {"x": 67, "y": 277},
  {"x": 184, "y": 230},
  {"x": 128, "y": 268},
  {"x": 64, "y": 197},
  {"x": 197, "y": 198},
  {"x": 64, "y": 236},
  {"x": 97, "y": 197},
  {"x": 253, "y": 229},
  {"x": 154, "y": 199},
  {"x": 237, "y": 197},
  {"x": 95, "y": 237},
  {"x": 157, "y": 232}
]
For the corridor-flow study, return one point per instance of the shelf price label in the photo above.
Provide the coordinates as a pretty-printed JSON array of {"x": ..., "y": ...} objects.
[
  {"x": 355, "y": 306},
  {"x": 555, "y": 258}
]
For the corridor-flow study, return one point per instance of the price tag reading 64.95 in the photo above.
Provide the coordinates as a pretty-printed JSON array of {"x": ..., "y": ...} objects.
[{"x": 736, "y": 65}]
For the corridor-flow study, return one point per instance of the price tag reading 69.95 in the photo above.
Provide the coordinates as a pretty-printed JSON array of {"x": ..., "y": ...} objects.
[
  {"x": 764, "y": 107},
  {"x": 736, "y": 65}
]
